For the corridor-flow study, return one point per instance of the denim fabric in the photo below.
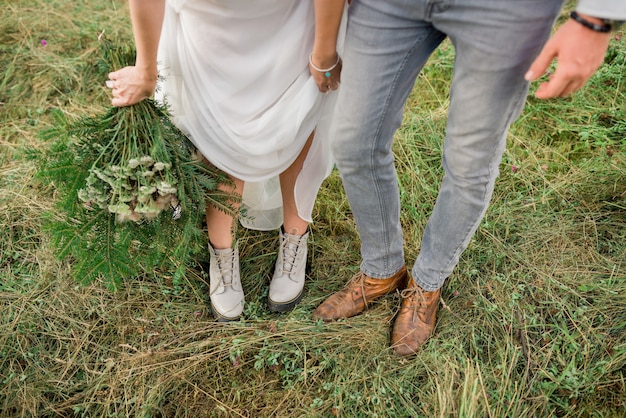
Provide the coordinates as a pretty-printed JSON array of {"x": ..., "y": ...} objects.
[{"x": 387, "y": 44}]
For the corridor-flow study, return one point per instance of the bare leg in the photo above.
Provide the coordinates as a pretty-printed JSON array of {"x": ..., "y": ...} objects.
[
  {"x": 220, "y": 224},
  {"x": 292, "y": 223},
  {"x": 226, "y": 293},
  {"x": 287, "y": 284}
]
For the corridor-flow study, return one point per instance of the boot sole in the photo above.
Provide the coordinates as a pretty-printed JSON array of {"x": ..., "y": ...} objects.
[
  {"x": 221, "y": 318},
  {"x": 284, "y": 307}
]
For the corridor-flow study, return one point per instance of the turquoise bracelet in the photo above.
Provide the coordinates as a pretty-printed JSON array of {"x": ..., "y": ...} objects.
[{"x": 325, "y": 71}]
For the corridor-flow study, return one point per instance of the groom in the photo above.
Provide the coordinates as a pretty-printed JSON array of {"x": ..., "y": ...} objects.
[{"x": 500, "y": 46}]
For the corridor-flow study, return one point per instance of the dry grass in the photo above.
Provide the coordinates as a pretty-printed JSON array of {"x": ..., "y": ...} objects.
[{"x": 534, "y": 321}]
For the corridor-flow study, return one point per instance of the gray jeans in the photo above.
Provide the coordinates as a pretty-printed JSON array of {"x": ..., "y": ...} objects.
[{"x": 387, "y": 44}]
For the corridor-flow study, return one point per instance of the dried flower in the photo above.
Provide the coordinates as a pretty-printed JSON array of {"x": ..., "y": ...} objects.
[
  {"x": 161, "y": 166},
  {"x": 146, "y": 160}
]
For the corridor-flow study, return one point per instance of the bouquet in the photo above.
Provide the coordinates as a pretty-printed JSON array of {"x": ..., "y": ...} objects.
[
  {"x": 140, "y": 158},
  {"x": 133, "y": 188}
]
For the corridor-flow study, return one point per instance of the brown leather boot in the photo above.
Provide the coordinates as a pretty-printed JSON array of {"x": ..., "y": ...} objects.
[
  {"x": 358, "y": 293},
  {"x": 415, "y": 322}
]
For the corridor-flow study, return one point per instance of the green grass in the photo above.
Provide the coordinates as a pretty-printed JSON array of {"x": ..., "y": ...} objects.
[{"x": 534, "y": 322}]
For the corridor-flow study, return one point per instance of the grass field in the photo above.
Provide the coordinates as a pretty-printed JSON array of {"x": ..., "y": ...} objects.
[{"x": 534, "y": 320}]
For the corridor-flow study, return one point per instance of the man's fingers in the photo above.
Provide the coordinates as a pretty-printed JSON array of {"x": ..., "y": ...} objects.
[
  {"x": 541, "y": 63},
  {"x": 549, "y": 89}
]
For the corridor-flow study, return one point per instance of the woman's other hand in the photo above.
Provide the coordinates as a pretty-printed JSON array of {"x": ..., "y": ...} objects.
[
  {"x": 131, "y": 85},
  {"x": 326, "y": 71}
]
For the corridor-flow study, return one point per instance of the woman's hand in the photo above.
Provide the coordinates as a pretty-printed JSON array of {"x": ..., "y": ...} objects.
[
  {"x": 324, "y": 62},
  {"x": 131, "y": 85},
  {"x": 326, "y": 72}
]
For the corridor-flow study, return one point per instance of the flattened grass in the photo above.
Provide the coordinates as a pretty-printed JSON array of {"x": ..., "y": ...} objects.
[{"x": 534, "y": 318}]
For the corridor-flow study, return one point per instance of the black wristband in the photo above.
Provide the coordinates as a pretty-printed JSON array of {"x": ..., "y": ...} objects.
[{"x": 596, "y": 27}]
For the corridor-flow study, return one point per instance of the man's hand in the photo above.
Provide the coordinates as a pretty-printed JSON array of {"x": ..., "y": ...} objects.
[{"x": 579, "y": 52}]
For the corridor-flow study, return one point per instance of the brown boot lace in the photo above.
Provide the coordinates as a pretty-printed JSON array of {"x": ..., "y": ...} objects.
[{"x": 415, "y": 300}]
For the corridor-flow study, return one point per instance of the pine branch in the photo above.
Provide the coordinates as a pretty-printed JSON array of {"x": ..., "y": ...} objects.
[{"x": 129, "y": 164}]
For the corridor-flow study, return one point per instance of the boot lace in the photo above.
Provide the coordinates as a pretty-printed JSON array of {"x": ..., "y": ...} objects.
[
  {"x": 226, "y": 265},
  {"x": 290, "y": 253},
  {"x": 358, "y": 280},
  {"x": 416, "y": 300}
]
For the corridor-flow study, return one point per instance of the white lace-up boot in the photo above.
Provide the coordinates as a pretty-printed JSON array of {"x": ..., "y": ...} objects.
[
  {"x": 226, "y": 293},
  {"x": 287, "y": 285}
]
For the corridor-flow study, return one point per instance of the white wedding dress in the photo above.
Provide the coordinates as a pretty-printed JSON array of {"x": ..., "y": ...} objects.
[{"x": 235, "y": 77}]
